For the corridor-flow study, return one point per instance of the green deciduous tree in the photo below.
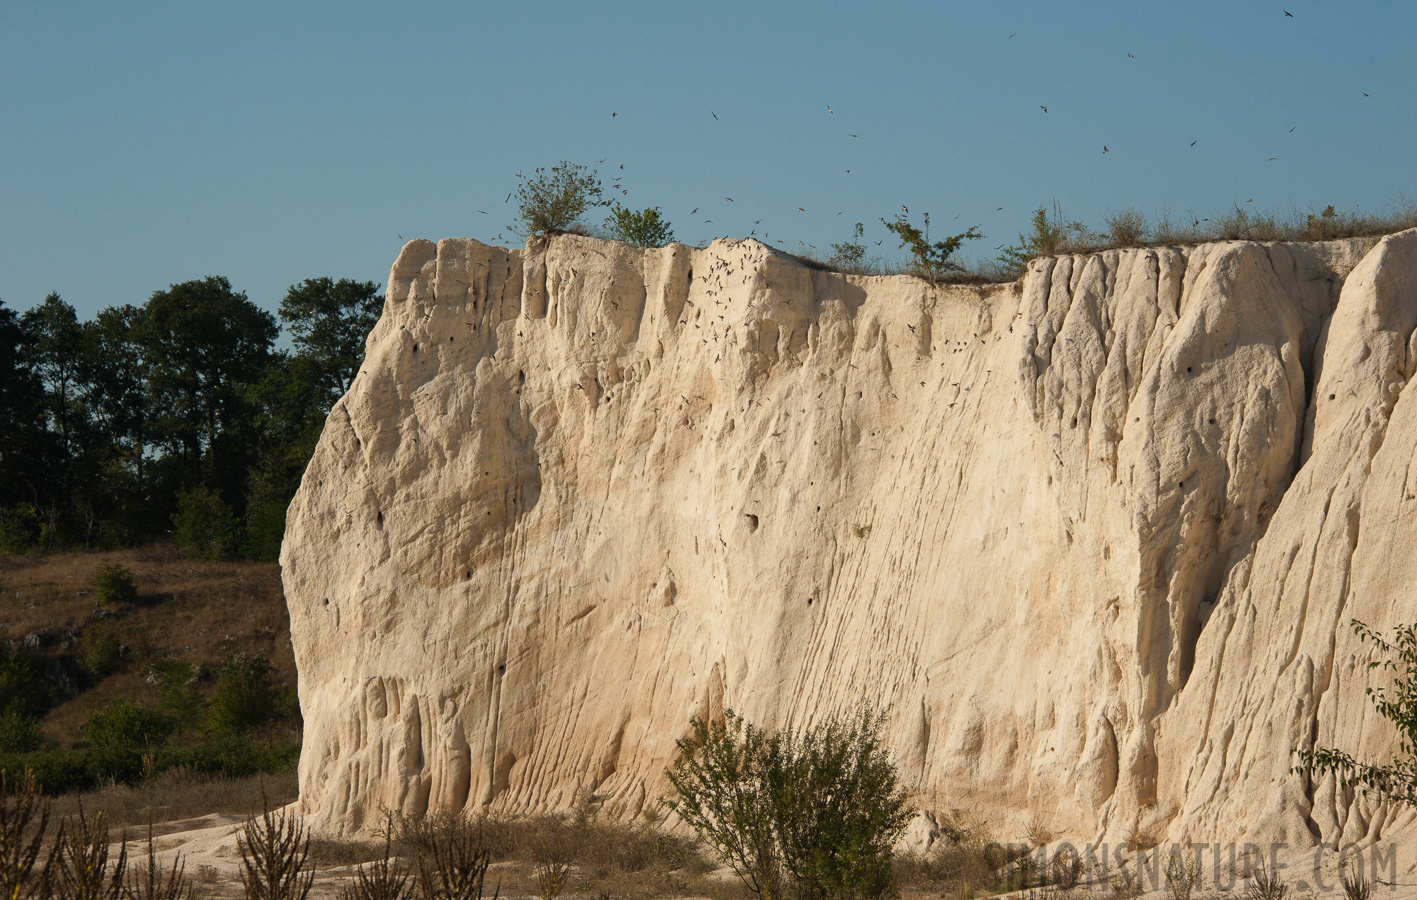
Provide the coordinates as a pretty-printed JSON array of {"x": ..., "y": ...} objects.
[
  {"x": 329, "y": 322},
  {"x": 23, "y": 439},
  {"x": 55, "y": 354},
  {"x": 204, "y": 524},
  {"x": 203, "y": 346}
]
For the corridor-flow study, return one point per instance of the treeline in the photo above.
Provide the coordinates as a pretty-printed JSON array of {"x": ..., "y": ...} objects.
[{"x": 181, "y": 416}]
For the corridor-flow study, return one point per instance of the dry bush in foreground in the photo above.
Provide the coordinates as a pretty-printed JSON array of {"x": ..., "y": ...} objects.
[
  {"x": 967, "y": 862},
  {"x": 24, "y": 820},
  {"x": 1355, "y": 884},
  {"x": 453, "y": 865},
  {"x": 275, "y": 851},
  {"x": 1265, "y": 884},
  {"x": 153, "y": 882},
  {"x": 82, "y": 861},
  {"x": 385, "y": 878}
]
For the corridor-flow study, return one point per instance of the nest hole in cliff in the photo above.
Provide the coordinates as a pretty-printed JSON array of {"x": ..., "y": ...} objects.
[
  {"x": 752, "y": 521},
  {"x": 379, "y": 520}
]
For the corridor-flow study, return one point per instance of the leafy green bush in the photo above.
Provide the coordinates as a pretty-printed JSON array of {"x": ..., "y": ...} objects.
[
  {"x": 19, "y": 733},
  {"x": 815, "y": 811},
  {"x": 646, "y": 228},
  {"x": 243, "y": 696},
  {"x": 120, "y": 735},
  {"x": 1050, "y": 234},
  {"x": 204, "y": 524},
  {"x": 1396, "y": 780},
  {"x": 19, "y": 526},
  {"x": 178, "y": 691},
  {"x": 552, "y": 202},
  {"x": 931, "y": 259},
  {"x": 125, "y": 725},
  {"x": 99, "y": 650},
  {"x": 114, "y": 584}
]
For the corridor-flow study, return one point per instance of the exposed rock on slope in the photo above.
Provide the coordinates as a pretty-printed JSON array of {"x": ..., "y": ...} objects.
[{"x": 1095, "y": 537}]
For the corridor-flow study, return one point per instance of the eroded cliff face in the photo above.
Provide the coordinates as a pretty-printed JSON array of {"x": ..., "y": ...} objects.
[{"x": 1093, "y": 538}]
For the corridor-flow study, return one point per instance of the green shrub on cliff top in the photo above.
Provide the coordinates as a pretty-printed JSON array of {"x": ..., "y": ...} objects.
[
  {"x": 646, "y": 228},
  {"x": 552, "y": 202}
]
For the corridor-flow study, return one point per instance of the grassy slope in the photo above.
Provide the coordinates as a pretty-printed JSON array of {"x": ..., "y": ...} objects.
[{"x": 186, "y": 610}]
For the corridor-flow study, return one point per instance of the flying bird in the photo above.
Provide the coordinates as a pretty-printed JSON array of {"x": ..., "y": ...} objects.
[
  {"x": 1042, "y": 107},
  {"x": 1291, "y": 131},
  {"x": 1131, "y": 56},
  {"x": 714, "y": 114},
  {"x": 830, "y": 110},
  {"x": 1272, "y": 159},
  {"x": 1000, "y": 209},
  {"x": 729, "y": 199},
  {"x": 1193, "y": 143},
  {"x": 800, "y": 209},
  {"x": 483, "y": 211},
  {"x": 905, "y": 209},
  {"x": 1289, "y": 14},
  {"x": 694, "y": 210},
  {"x": 614, "y": 114},
  {"x": 851, "y": 135},
  {"x": 1104, "y": 148},
  {"x": 1365, "y": 93},
  {"x": 1013, "y": 34},
  {"x": 509, "y": 196}
]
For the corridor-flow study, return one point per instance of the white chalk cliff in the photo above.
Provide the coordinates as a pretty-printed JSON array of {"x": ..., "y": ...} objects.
[{"x": 1094, "y": 538}]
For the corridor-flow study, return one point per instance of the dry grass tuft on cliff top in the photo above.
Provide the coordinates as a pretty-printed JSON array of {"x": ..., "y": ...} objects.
[{"x": 1053, "y": 233}]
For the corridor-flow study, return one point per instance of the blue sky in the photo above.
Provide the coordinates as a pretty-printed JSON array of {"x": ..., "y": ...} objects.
[{"x": 142, "y": 144}]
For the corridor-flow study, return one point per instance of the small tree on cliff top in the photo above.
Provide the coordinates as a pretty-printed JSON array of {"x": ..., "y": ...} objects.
[
  {"x": 645, "y": 228},
  {"x": 931, "y": 259},
  {"x": 552, "y": 202}
]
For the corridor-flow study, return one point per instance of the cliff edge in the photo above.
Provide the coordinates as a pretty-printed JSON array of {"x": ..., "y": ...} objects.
[{"x": 1094, "y": 538}]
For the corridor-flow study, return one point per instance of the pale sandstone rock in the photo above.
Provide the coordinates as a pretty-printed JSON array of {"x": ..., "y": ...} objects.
[{"x": 1094, "y": 538}]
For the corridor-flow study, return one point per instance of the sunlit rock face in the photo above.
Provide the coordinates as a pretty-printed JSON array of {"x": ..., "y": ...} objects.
[{"x": 1093, "y": 539}]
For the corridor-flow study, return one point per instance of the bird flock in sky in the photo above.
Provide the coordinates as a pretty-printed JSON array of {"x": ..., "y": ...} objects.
[{"x": 830, "y": 111}]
